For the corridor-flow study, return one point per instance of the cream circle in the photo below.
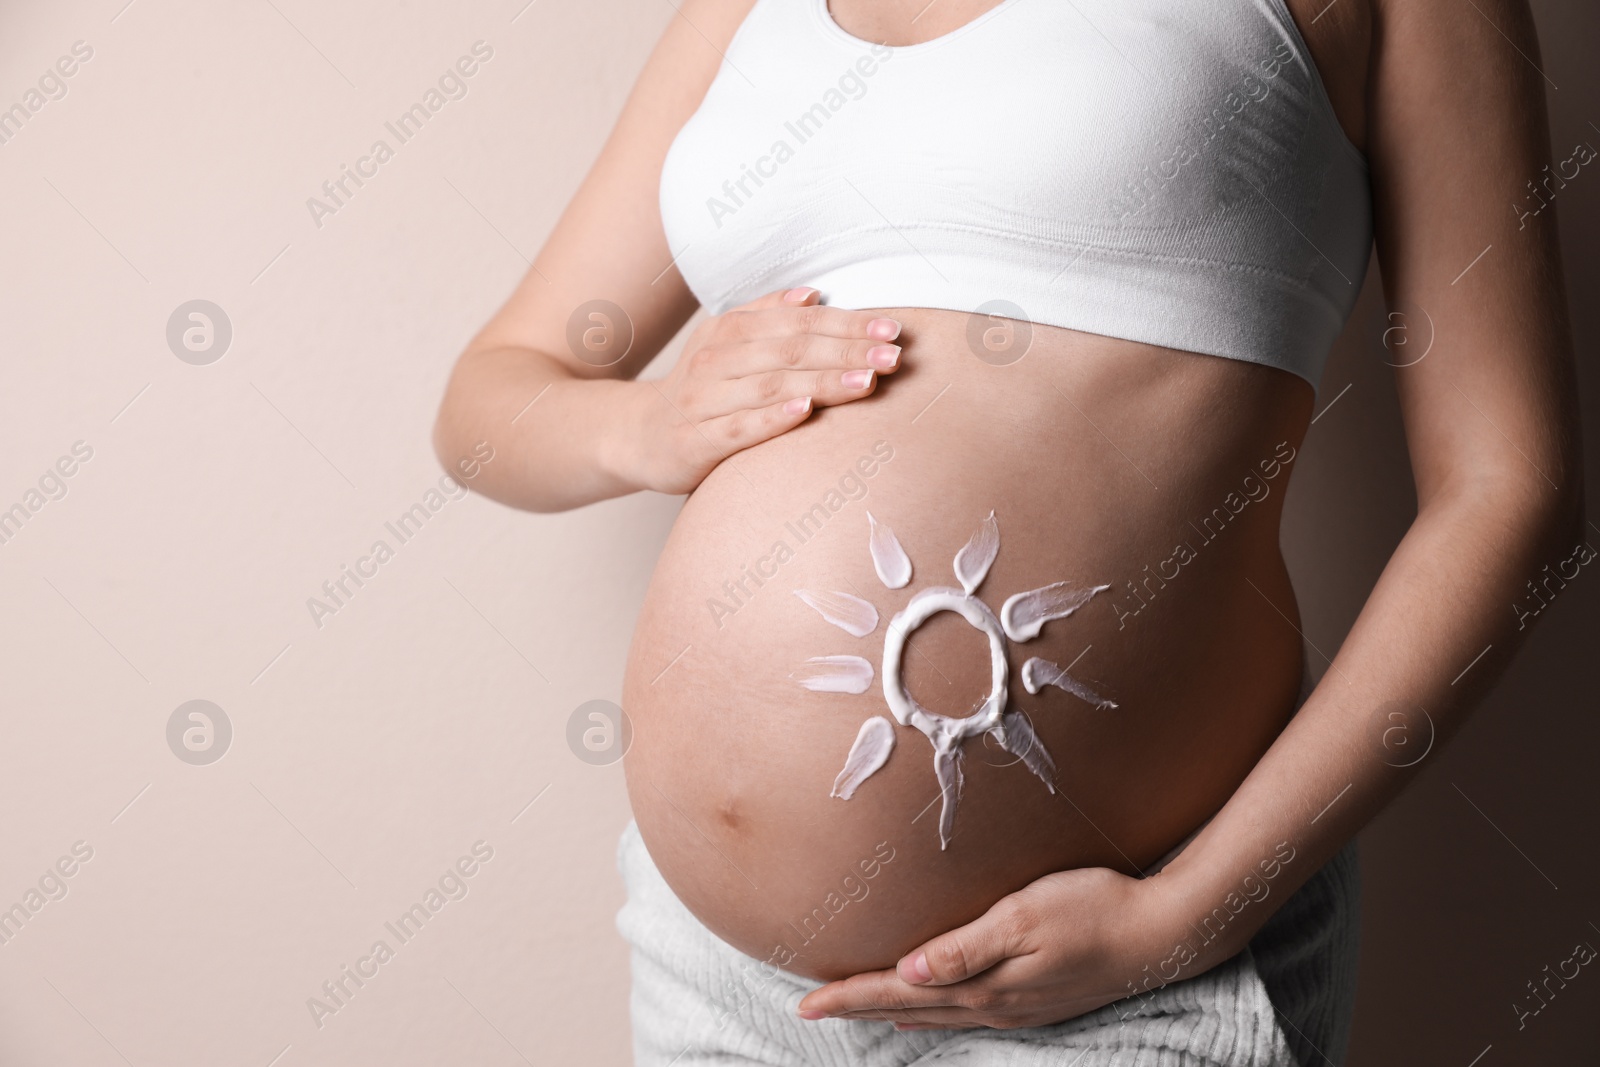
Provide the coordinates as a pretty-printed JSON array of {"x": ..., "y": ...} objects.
[{"x": 906, "y": 710}]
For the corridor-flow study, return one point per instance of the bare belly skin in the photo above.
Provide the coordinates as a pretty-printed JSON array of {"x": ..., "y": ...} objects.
[{"x": 1099, "y": 459}]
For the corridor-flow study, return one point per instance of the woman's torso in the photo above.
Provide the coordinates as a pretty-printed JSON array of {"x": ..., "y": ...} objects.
[
  {"x": 1168, "y": 490},
  {"x": 1156, "y": 472}
]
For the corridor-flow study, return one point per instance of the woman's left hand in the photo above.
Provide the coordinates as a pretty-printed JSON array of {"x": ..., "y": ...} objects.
[{"x": 1067, "y": 944}]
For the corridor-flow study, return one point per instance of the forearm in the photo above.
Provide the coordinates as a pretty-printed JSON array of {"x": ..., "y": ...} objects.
[
  {"x": 559, "y": 441},
  {"x": 1398, "y": 687}
]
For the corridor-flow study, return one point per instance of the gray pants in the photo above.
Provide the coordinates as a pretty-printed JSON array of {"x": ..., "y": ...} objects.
[{"x": 1283, "y": 1002}]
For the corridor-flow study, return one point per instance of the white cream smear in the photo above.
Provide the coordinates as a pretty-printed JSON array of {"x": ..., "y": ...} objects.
[
  {"x": 888, "y": 558},
  {"x": 1021, "y": 618},
  {"x": 976, "y": 556},
  {"x": 1038, "y": 673},
  {"x": 873, "y": 744},
  {"x": 836, "y": 674},
  {"x": 1024, "y": 614},
  {"x": 849, "y": 613}
]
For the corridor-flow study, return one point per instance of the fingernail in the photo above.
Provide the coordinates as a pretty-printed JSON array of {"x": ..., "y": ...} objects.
[
  {"x": 917, "y": 969},
  {"x": 883, "y": 356},
  {"x": 857, "y": 379},
  {"x": 798, "y": 406},
  {"x": 812, "y": 1014},
  {"x": 883, "y": 329},
  {"x": 796, "y": 296}
]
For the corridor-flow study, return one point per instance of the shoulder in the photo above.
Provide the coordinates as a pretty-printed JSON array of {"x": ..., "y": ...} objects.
[
  {"x": 689, "y": 55},
  {"x": 714, "y": 21}
]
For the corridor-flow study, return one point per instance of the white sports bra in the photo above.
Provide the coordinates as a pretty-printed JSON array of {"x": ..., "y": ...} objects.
[{"x": 1165, "y": 171}]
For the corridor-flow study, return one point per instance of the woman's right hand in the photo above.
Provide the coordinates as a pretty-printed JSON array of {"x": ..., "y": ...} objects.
[{"x": 753, "y": 373}]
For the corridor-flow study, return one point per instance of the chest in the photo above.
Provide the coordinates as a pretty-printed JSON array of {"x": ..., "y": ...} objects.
[{"x": 1030, "y": 109}]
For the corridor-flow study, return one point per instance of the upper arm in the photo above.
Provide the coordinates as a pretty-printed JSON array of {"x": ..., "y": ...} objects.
[
  {"x": 608, "y": 244},
  {"x": 1457, "y": 128}
]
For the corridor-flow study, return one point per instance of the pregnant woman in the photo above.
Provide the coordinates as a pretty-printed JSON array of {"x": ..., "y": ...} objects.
[{"x": 974, "y": 618}]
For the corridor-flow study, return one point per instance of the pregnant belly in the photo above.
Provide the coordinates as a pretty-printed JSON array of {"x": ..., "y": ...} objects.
[{"x": 1155, "y": 474}]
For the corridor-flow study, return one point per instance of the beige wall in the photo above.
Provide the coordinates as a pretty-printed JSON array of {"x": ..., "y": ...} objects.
[{"x": 371, "y": 752}]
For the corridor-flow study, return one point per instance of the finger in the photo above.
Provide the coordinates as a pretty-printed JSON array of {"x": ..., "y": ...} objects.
[
  {"x": 802, "y": 351},
  {"x": 998, "y": 934},
  {"x": 766, "y": 323},
  {"x": 759, "y": 390},
  {"x": 741, "y": 429},
  {"x": 870, "y": 992}
]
